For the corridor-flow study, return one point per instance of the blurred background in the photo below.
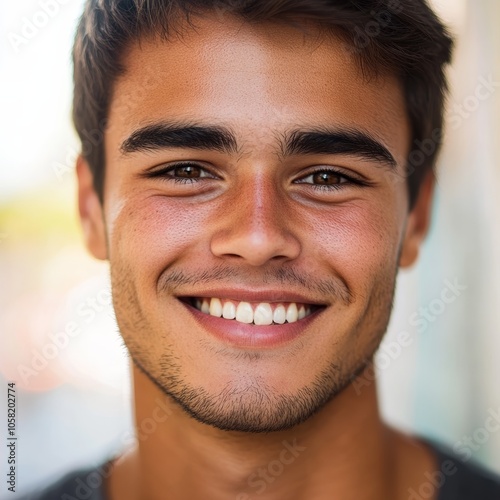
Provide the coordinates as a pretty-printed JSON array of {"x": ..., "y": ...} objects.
[{"x": 438, "y": 366}]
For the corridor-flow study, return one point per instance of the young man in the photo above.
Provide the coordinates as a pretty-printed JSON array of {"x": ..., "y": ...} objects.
[{"x": 250, "y": 170}]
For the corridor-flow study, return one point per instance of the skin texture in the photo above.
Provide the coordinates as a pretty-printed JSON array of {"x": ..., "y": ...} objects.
[{"x": 257, "y": 220}]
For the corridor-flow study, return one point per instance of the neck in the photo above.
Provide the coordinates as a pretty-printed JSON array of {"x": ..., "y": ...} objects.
[{"x": 344, "y": 451}]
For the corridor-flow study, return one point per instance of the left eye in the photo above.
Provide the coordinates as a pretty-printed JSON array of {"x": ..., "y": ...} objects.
[
  {"x": 328, "y": 179},
  {"x": 325, "y": 178}
]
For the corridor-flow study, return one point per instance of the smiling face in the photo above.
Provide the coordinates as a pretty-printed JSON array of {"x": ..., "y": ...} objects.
[{"x": 250, "y": 174}]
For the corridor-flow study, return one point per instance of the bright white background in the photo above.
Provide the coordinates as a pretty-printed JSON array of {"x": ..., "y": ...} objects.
[{"x": 74, "y": 407}]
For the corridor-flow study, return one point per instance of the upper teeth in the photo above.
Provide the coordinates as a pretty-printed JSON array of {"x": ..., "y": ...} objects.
[{"x": 264, "y": 313}]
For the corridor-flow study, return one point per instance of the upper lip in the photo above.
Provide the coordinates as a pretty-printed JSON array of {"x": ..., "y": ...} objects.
[{"x": 245, "y": 295}]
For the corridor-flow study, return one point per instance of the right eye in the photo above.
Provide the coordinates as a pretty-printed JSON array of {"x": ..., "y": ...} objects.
[{"x": 182, "y": 173}]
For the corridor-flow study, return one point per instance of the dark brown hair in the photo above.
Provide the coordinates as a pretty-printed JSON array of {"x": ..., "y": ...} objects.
[{"x": 404, "y": 37}]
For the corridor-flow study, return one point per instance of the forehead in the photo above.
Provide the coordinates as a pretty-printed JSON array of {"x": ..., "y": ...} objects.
[{"x": 258, "y": 79}]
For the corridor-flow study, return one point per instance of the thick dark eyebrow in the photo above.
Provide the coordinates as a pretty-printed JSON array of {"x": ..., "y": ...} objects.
[
  {"x": 336, "y": 142},
  {"x": 314, "y": 141},
  {"x": 180, "y": 135}
]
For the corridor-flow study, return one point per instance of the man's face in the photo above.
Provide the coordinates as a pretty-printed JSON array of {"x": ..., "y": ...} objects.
[{"x": 271, "y": 218}]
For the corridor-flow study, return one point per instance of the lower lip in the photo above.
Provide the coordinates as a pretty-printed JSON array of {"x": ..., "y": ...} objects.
[{"x": 248, "y": 335}]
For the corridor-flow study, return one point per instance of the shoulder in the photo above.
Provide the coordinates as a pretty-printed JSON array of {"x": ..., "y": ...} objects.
[
  {"x": 85, "y": 483},
  {"x": 458, "y": 479}
]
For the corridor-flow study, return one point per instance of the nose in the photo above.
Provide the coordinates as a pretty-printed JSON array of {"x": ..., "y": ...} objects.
[{"x": 255, "y": 226}]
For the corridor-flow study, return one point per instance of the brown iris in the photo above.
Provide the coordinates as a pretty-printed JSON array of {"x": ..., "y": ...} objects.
[
  {"x": 188, "y": 171},
  {"x": 326, "y": 178}
]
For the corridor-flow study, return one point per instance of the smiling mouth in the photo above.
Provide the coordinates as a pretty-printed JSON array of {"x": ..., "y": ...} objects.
[{"x": 252, "y": 313}]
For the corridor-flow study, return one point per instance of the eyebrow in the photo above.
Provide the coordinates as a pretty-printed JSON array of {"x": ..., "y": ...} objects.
[
  {"x": 180, "y": 135},
  {"x": 337, "y": 142},
  {"x": 315, "y": 141}
]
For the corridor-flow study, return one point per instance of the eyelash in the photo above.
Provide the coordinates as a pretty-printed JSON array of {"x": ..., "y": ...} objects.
[
  {"x": 349, "y": 180},
  {"x": 179, "y": 180}
]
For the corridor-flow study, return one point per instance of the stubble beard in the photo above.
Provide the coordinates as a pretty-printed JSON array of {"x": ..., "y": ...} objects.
[{"x": 256, "y": 407}]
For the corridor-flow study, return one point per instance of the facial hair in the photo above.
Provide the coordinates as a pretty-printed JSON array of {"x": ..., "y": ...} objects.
[{"x": 254, "y": 406}]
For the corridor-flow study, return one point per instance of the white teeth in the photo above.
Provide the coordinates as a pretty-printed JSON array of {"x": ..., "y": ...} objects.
[
  {"x": 229, "y": 310},
  {"x": 263, "y": 314},
  {"x": 216, "y": 307},
  {"x": 244, "y": 313},
  {"x": 205, "y": 306},
  {"x": 279, "y": 315},
  {"x": 302, "y": 312},
  {"x": 292, "y": 313}
]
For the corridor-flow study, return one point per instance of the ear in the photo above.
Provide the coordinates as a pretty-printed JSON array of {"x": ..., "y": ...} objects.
[
  {"x": 91, "y": 213},
  {"x": 418, "y": 222}
]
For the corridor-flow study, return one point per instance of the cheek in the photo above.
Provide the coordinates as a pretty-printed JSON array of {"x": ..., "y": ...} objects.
[
  {"x": 155, "y": 233},
  {"x": 357, "y": 241}
]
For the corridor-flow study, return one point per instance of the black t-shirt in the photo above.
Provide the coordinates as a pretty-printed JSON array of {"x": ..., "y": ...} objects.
[
  {"x": 459, "y": 480},
  {"x": 455, "y": 480}
]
